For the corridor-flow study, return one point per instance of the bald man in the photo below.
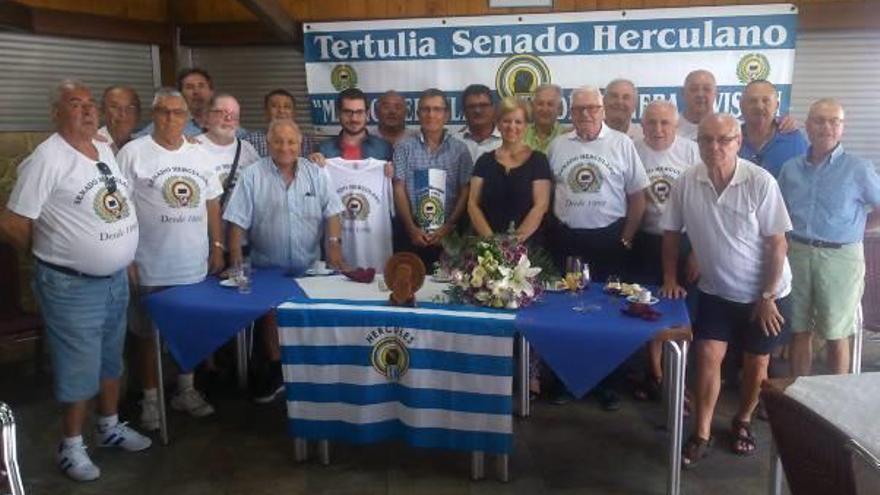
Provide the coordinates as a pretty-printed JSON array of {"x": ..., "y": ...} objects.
[
  {"x": 736, "y": 221},
  {"x": 829, "y": 193},
  {"x": 763, "y": 143},
  {"x": 121, "y": 112}
]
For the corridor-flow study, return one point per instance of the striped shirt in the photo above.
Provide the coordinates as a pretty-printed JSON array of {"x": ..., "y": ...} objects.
[
  {"x": 453, "y": 157},
  {"x": 285, "y": 223},
  {"x": 261, "y": 143}
]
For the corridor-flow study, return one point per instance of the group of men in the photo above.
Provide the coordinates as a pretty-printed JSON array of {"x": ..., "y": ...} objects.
[{"x": 774, "y": 223}]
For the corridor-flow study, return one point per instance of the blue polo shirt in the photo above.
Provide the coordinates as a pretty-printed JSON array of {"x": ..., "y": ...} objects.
[
  {"x": 371, "y": 147},
  {"x": 830, "y": 201},
  {"x": 780, "y": 149}
]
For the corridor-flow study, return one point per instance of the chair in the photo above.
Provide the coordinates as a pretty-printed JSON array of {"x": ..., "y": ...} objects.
[
  {"x": 871, "y": 297},
  {"x": 9, "y": 473},
  {"x": 865, "y": 468},
  {"x": 16, "y": 325},
  {"x": 812, "y": 450}
]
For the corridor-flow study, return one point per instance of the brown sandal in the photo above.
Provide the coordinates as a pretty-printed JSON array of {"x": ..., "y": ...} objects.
[
  {"x": 743, "y": 439},
  {"x": 695, "y": 450}
]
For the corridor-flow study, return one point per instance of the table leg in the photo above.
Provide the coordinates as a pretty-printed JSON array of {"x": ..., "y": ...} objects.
[
  {"x": 300, "y": 449},
  {"x": 478, "y": 459},
  {"x": 858, "y": 342},
  {"x": 502, "y": 468},
  {"x": 241, "y": 356},
  {"x": 522, "y": 375},
  {"x": 775, "y": 487},
  {"x": 676, "y": 364},
  {"x": 163, "y": 418},
  {"x": 324, "y": 452}
]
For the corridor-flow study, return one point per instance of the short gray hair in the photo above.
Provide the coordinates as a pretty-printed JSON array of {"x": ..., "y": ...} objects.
[
  {"x": 549, "y": 87},
  {"x": 62, "y": 87},
  {"x": 833, "y": 102},
  {"x": 167, "y": 92},
  {"x": 726, "y": 118},
  {"x": 275, "y": 124},
  {"x": 621, "y": 80},
  {"x": 586, "y": 90},
  {"x": 665, "y": 104}
]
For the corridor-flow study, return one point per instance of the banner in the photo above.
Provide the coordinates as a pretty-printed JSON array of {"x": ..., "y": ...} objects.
[
  {"x": 513, "y": 54},
  {"x": 365, "y": 372}
]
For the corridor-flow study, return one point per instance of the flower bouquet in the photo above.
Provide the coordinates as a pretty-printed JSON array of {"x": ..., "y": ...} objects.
[{"x": 495, "y": 271}]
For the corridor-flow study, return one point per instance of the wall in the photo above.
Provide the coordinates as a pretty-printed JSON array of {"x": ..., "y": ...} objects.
[{"x": 140, "y": 10}]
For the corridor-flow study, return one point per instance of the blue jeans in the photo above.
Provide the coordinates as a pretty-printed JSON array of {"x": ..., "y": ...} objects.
[{"x": 85, "y": 328}]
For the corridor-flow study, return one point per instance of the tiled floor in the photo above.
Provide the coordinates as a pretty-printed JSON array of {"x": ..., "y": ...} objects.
[{"x": 243, "y": 450}]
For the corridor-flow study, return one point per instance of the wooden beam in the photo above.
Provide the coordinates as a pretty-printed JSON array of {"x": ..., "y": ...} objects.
[
  {"x": 273, "y": 16},
  {"x": 75, "y": 25},
  {"x": 230, "y": 34},
  {"x": 839, "y": 15},
  {"x": 15, "y": 16}
]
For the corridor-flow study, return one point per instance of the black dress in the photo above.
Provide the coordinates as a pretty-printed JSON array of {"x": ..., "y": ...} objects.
[{"x": 506, "y": 195}]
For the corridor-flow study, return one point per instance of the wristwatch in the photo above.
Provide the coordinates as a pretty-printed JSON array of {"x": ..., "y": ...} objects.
[
  {"x": 218, "y": 244},
  {"x": 626, "y": 243},
  {"x": 768, "y": 296},
  {"x": 334, "y": 240}
]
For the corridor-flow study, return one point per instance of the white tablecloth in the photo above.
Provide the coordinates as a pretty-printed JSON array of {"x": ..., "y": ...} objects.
[
  {"x": 340, "y": 287},
  {"x": 849, "y": 402}
]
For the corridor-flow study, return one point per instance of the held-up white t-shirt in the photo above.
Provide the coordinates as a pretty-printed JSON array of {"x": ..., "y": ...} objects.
[
  {"x": 77, "y": 224},
  {"x": 727, "y": 231},
  {"x": 170, "y": 189},
  {"x": 593, "y": 178},
  {"x": 366, "y": 194},
  {"x": 221, "y": 157},
  {"x": 663, "y": 169}
]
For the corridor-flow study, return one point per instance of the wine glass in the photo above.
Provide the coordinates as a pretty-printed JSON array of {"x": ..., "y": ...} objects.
[{"x": 574, "y": 274}]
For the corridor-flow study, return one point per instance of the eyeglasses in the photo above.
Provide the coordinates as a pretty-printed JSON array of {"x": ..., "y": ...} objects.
[
  {"x": 586, "y": 108},
  {"x": 432, "y": 109},
  {"x": 833, "y": 122},
  {"x": 226, "y": 114},
  {"x": 177, "y": 113},
  {"x": 353, "y": 113},
  {"x": 107, "y": 175},
  {"x": 721, "y": 140},
  {"x": 478, "y": 106}
]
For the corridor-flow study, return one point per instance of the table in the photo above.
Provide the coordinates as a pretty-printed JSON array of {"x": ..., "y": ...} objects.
[
  {"x": 195, "y": 320},
  {"x": 838, "y": 410}
]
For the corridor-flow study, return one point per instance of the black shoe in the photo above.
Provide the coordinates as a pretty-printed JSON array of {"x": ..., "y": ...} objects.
[
  {"x": 608, "y": 399},
  {"x": 271, "y": 388}
]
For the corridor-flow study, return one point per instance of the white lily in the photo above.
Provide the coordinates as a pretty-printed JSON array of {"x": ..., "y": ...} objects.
[{"x": 521, "y": 274}]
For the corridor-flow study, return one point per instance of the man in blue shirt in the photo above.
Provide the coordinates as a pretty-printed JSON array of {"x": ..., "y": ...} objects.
[
  {"x": 829, "y": 194},
  {"x": 353, "y": 141},
  {"x": 763, "y": 142}
]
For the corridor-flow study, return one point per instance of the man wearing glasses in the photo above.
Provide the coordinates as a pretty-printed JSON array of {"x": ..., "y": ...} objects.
[
  {"x": 736, "y": 221},
  {"x": 480, "y": 134},
  {"x": 72, "y": 209},
  {"x": 228, "y": 153},
  {"x": 431, "y": 174},
  {"x": 176, "y": 190},
  {"x": 829, "y": 193},
  {"x": 354, "y": 142}
]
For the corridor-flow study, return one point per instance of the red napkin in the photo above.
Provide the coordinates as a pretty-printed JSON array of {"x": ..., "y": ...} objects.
[
  {"x": 362, "y": 275},
  {"x": 643, "y": 311}
]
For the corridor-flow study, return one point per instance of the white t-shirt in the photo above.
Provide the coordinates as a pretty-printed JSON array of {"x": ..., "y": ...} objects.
[
  {"x": 593, "y": 178},
  {"x": 476, "y": 149},
  {"x": 663, "y": 169},
  {"x": 170, "y": 189},
  {"x": 366, "y": 194},
  {"x": 686, "y": 128},
  {"x": 223, "y": 155},
  {"x": 727, "y": 231},
  {"x": 635, "y": 131},
  {"x": 77, "y": 224}
]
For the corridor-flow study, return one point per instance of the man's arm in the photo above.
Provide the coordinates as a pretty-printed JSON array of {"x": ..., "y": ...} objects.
[
  {"x": 671, "y": 288},
  {"x": 452, "y": 220},
  {"x": 236, "y": 233},
  {"x": 771, "y": 320},
  {"x": 404, "y": 212},
  {"x": 635, "y": 209},
  {"x": 334, "y": 247},
  {"x": 16, "y": 230},
  {"x": 215, "y": 236}
]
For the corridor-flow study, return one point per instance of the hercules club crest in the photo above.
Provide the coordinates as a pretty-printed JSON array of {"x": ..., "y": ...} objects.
[
  {"x": 390, "y": 358},
  {"x": 585, "y": 178},
  {"x": 356, "y": 206},
  {"x": 181, "y": 192},
  {"x": 110, "y": 207}
]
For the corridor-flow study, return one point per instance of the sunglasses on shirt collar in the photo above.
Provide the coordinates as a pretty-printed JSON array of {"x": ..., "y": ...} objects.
[{"x": 107, "y": 175}]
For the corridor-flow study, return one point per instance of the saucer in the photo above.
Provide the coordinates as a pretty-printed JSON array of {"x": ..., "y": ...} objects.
[
  {"x": 229, "y": 282},
  {"x": 315, "y": 272},
  {"x": 635, "y": 300}
]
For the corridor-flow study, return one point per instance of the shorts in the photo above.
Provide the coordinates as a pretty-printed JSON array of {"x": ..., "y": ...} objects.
[
  {"x": 139, "y": 322},
  {"x": 85, "y": 328},
  {"x": 826, "y": 288},
  {"x": 731, "y": 322}
]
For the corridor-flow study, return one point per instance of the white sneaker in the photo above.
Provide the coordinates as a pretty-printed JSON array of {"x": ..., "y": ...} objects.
[
  {"x": 76, "y": 463},
  {"x": 191, "y": 401},
  {"x": 150, "y": 415},
  {"x": 124, "y": 437}
]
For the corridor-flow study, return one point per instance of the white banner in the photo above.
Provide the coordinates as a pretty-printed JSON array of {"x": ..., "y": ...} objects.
[{"x": 511, "y": 54}]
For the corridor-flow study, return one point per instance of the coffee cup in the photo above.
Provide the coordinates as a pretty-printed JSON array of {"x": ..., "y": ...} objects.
[
  {"x": 319, "y": 266},
  {"x": 645, "y": 296}
]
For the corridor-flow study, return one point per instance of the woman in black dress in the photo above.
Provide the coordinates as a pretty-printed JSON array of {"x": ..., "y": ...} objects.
[
  {"x": 510, "y": 187},
  {"x": 510, "y": 190}
]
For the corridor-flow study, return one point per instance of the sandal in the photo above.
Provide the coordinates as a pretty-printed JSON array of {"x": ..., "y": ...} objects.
[
  {"x": 695, "y": 450},
  {"x": 743, "y": 439}
]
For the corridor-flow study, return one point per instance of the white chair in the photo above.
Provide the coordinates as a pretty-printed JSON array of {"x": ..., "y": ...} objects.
[{"x": 9, "y": 473}]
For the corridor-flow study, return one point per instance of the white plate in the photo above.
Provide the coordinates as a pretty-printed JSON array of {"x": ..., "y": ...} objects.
[
  {"x": 554, "y": 287},
  {"x": 313, "y": 272},
  {"x": 441, "y": 280},
  {"x": 228, "y": 282},
  {"x": 635, "y": 299}
]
